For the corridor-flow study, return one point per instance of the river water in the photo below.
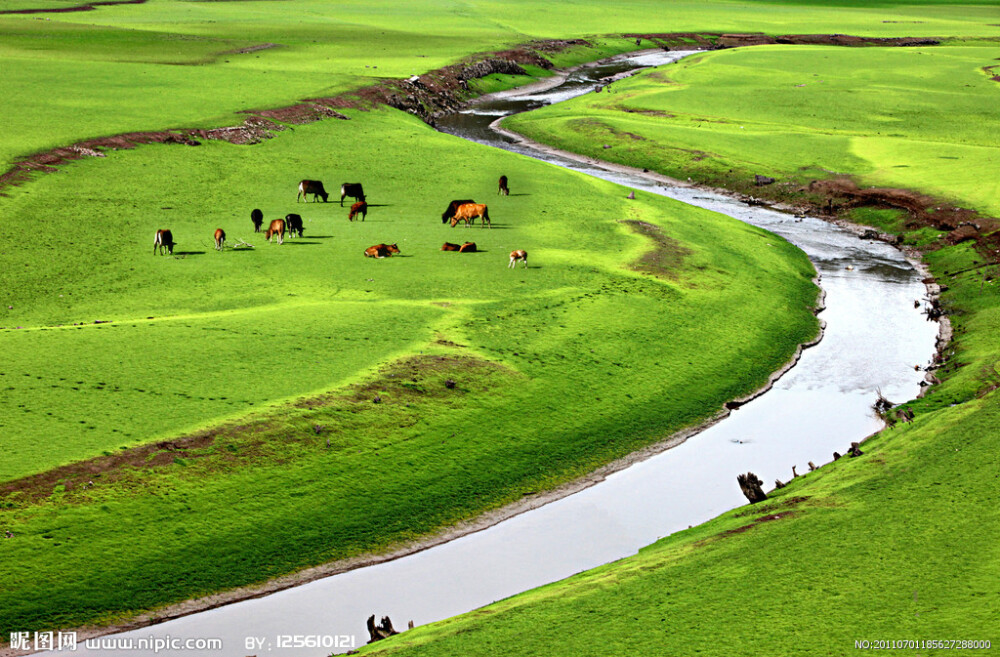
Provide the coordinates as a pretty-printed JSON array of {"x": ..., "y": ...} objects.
[{"x": 874, "y": 337}]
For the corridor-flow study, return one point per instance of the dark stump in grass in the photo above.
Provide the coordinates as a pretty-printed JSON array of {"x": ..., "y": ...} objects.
[
  {"x": 752, "y": 487},
  {"x": 381, "y": 631}
]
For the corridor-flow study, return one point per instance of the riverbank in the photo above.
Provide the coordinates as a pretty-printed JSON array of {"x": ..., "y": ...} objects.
[
  {"x": 879, "y": 545},
  {"x": 176, "y": 522}
]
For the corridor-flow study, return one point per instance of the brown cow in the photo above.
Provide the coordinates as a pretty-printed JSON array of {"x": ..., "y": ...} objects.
[
  {"x": 164, "y": 240},
  {"x": 450, "y": 212},
  {"x": 502, "y": 186},
  {"x": 313, "y": 187},
  {"x": 220, "y": 238},
  {"x": 358, "y": 208},
  {"x": 468, "y": 213},
  {"x": 277, "y": 228},
  {"x": 518, "y": 255},
  {"x": 468, "y": 247},
  {"x": 381, "y": 250}
]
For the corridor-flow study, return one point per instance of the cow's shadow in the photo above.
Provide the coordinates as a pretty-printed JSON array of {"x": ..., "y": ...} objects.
[
  {"x": 380, "y": 205},
  {"x": 187, "y": 253},
  {"x": 299, "y": 243},
  {"x": 320, "y": 237},
  {"x": 518, "y": 194}
]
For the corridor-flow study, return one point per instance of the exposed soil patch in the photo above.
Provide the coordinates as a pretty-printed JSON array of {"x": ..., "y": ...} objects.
[
  {"x": 770, "y": 517},
  {"x": 80, "y": 475},
  {"x": 402, "y": 382},
  {"x": 665, "y": 258},
  {"x": 253, "y": 130},
  {"x": 988, "y": 70},
  {"x": 428, "y": 96},
  {"x": 842, "y": 194},
  {"x": 63, "y": 10}
]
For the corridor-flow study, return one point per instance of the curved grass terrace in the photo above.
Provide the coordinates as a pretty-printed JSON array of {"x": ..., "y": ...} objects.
[
  {"x": 227, "y": 418},
  {"x": 895, "y": 543}
]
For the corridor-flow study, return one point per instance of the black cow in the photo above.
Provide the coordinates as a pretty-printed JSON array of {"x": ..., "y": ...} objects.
[
  {"x": 257, "y": 217},
  {"x": 354, "y": 190},
  {"x": 450, "y": 212},
  {"x": 164, "y": 239},
  {"x": 313, "y": 187},
  {"x": 293, "y": 224}
]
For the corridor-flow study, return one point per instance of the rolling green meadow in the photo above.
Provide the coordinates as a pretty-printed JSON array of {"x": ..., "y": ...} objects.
[
  {"x": 204, "y": 421},
  {"x": 895, "y": 545}
]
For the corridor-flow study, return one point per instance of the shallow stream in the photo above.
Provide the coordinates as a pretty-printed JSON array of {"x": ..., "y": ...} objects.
[{"x": 874, "y": 337}]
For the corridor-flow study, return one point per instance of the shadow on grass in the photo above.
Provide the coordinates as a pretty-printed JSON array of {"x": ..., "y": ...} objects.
[{"x": 187, "y": 253}]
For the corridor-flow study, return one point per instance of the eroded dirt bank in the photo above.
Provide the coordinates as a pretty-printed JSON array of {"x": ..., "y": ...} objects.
[{"x": 427, "y": 96}]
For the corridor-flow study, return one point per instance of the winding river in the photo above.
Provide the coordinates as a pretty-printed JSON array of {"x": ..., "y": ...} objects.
[{"x": 874, "y": 337}]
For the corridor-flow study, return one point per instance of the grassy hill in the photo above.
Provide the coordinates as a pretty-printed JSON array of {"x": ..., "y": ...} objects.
[
  {"x": 893, "y": 545},
  {"x": 204, "y": 421}
]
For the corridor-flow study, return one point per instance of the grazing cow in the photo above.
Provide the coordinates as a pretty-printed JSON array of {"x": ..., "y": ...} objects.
[
  {"x": 277, "y": 228},
  {"x": 293, "y": 224},
  {"x": 354, "y": 190},
  {"x": 313, "y": 187},
  {"x": 257, "y": 217},
  {"x": 450, "y": 212},
  {"x": 381, "y": 250},
  {"x": 518, "y": 255},
  {"x": 164, "y": 240},
  {"x": 502, "y": 187},
  {"x": 448, "y": 246},
  {"x": 358, "y": 208},
  {"x": 220, "y": 238},
  {"x": 468, "y": 214}
]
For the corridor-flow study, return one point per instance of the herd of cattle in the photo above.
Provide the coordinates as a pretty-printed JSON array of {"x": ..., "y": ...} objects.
[{"x": 458, "y": 211}]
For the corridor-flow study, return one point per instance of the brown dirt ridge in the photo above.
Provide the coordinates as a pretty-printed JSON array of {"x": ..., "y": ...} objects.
[
  {"x": 90, "y": 6},
  {"x": 438, "y": 92},
  {"x": 398, "y": 382}
]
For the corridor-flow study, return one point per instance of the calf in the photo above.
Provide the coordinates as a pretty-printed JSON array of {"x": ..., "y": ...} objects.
[
  {"x": 313, "y": 187},
  {"x": 448, "y": 246},
  {"x": 293, "y": 224},
  {"x": 220, "y": 238},
  {"x": 450, "y": 212},
  {"x": 277, "y": 228},
  {"x": 518, "y": 255},
  {"x": 358, "y": 208},
  {"x": 163, "y": 240},
  {"x": 354, "y": 190},
  {"x": 502, "y": 186},
  {"x": 257, "y": 217},
  {"x": 468, "y": 247},
  {"x": 381, "y": 250}
]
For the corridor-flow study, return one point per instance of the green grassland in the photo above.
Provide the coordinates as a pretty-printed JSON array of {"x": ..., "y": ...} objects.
[
  {"x": 72, "y": 76},
  {"x": 896, "y": 544},
  {"x": 906, "y": 117},
  {"x": 189, "y": 341},
  {"x": 296, "y": 393}
]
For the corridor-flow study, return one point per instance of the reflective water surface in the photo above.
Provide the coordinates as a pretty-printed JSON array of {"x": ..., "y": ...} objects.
[{"x": 873, "y": 339}]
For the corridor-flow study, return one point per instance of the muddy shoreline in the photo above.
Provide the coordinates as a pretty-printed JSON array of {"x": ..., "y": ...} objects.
[
  {"x": 913, "y": 256},
  {"x": 441, "y": 91}
]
